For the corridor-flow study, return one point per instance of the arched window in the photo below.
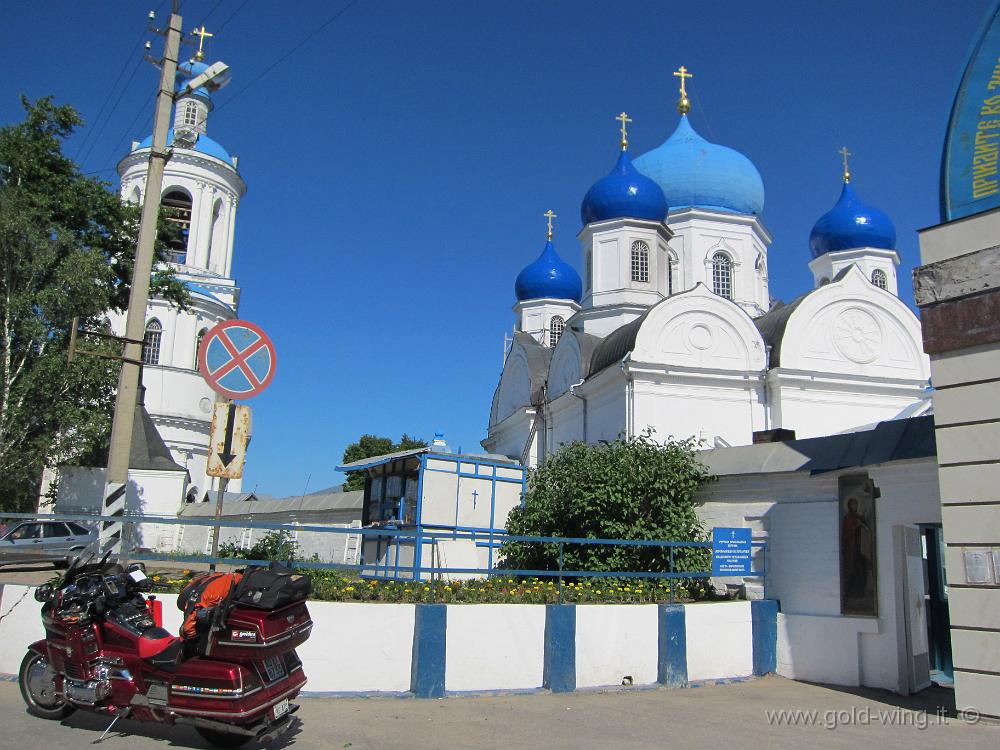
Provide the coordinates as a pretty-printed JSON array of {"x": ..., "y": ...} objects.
[
  {"x": 671, "y": 273},
  {"x": 178, "y": 205},
  {"x": 190, "y": 117},
  {"x": 879, "y": 279},
  {"x": 151, "y": 343},
  {"x": 722, "y": 275},
  {"x": 556, "y": 328},
  {"x": 640, "y": 261},
  {"x": 197, "y": 349}
]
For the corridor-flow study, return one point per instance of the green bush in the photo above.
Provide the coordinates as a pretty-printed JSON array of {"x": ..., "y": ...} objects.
[
  {"x": 633, "y": 488},
  {"x": 274, "y": 545}
]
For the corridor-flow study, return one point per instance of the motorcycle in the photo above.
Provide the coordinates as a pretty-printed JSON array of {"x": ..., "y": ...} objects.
[{"x": 102, "y": 652}]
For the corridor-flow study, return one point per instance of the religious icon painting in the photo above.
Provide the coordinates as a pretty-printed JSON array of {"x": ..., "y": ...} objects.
[{"x": 858, "y": 562}]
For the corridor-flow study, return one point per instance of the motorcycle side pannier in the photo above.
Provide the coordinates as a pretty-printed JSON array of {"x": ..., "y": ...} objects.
[{"x": 271, "y": 588}]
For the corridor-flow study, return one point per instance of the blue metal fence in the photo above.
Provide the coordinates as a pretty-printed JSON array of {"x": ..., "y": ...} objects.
[{"x": 492, "y": 538}]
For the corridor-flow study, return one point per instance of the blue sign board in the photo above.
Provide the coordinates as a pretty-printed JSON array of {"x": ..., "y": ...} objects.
[
  {"x": 731, "y": 551},
  {"x": 970, "y": 171}
]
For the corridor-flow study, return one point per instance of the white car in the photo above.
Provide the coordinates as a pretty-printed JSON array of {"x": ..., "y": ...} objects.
[{"x": 56, "y": 542}]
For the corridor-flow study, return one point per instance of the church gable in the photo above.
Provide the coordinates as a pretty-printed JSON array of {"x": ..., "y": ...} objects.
[
  {"x": 699, "y": 329},
  {"x": 565, "y": 369},
  {"x": 523, "y": 378},
  {"x": 852, "y": 327}
]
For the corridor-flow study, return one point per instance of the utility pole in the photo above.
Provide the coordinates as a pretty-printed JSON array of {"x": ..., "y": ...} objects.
[{"x": 116, "y": 480}]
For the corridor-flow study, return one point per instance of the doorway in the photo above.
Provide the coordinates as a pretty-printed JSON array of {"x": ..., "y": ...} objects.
[{"x": 936, "y": 600}]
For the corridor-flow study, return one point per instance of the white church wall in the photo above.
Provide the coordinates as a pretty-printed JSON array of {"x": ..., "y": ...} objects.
[
  {"x": 508, "y": 437},
  {"x": 606, "y": 409},
  {"x": 814, "y": 405},
  {"x": 705, "y": 412}
]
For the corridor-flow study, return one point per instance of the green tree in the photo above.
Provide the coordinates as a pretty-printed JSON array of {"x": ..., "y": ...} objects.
[
  {"x": 67, "y": 246},
  {"x": 632, "y": 488},
  {"x": 374, "y": 445}
]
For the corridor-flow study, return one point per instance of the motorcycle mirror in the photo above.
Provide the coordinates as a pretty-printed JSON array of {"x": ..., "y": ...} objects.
[{"x": 44, "y": 593}]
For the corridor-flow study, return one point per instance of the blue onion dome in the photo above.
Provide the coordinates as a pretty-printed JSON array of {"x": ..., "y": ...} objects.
[
  {"x": 849, "y": 224},
  {"x": 203, "y": 145},
  {"x": 188, "y": 70},
  {"x": 624, "y": 193},
  {"x": 693, "y": 172},
  {"x": 548, "y": 277}
]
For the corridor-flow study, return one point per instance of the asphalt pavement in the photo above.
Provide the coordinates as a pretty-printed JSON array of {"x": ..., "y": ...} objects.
[{"x": 736, "y": 715}]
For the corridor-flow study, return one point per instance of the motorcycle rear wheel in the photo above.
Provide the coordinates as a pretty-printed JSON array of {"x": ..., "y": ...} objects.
[
  {"x": 38, "y": 688},
  {"x": 223, "y": 739}
]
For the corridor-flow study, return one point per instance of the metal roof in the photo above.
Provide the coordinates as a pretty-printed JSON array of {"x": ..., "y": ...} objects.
[
  {"x": 250, "y": 503},
  {"x": 373, "y": 461},
  {"x": 896, "y": 440}
]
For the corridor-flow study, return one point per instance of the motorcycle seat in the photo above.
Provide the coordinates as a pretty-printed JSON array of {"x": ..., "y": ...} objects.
[{"x": 160, "y": 648}]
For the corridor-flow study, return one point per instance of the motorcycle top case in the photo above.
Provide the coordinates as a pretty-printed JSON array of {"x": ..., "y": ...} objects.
[
  {"x": 271, "y": 588},
  {"x": 248, "y": 633}
]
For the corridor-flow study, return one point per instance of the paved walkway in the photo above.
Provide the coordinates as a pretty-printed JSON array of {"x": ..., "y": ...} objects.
[{"x": 723, "y": 717}]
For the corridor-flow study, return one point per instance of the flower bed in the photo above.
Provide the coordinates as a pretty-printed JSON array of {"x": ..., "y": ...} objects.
[{"x": 332, "y": 585}]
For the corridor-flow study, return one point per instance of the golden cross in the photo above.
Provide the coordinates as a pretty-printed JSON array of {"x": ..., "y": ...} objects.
[
  {"x": 202, "y": 33},
  {"x": 682, "y": 73},
  {"x": 625, "y": 119},
  {"x": 550, "y": 216},
  {"x": 683, "y": 104},
  {"x": 847, "y": 172}
]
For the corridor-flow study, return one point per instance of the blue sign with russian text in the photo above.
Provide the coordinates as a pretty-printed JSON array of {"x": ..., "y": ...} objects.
[
  {"x": 970, "y": 172},
  {"x": 731, "y": 551}
]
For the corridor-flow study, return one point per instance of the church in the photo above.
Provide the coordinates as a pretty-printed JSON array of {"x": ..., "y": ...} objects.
[
  {"x": 673, "y": 328},
  {"x": 203, "y": 187}
]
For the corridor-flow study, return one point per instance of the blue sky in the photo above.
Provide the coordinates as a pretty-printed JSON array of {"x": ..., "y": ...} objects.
[{"x": 399, "y": 163}]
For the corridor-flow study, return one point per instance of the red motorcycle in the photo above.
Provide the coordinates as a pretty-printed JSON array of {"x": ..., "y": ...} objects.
[{"x": 102, "y": 652}]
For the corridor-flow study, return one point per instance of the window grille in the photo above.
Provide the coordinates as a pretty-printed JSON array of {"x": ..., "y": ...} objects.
[
  {"x": 722, "y": 275},
  {"x": 151, "y": 343},
  {"x": 178, "y": 204},
  {"x": 640, "y": 261},
  {"x": 556, "y": 329},
  {"x": 879, "y": 279}
]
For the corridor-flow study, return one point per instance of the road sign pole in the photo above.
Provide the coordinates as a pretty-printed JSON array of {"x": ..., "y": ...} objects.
[{"x": 223, "y": 484}]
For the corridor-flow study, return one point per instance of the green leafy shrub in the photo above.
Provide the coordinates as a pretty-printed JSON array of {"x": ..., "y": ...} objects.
[
  {"x": 274, "y": 545},
  {"x": 633, "y": 488}
]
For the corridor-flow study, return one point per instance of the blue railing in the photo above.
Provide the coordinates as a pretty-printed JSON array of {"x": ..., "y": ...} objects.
[{"x": 427, "y": 534}]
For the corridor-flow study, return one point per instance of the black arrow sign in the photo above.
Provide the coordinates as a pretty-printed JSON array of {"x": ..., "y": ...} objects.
[{"x": 227, "y": 455}]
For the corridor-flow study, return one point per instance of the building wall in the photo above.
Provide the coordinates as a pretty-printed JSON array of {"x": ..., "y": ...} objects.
[
  {"x": 797, "y": 515},
  {"x": 959, "y": 295}
]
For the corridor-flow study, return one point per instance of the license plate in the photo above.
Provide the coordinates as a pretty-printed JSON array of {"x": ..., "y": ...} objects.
[
  {"x": 280, "y": 708},
  {"x": 275, "y": 668}
]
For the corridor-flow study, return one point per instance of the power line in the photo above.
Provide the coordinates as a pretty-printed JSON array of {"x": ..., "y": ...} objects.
[
  {"x": 143, "y": 109},
  {"x": 290, "y": 52},
  {"x": 114, "y": 86},
  {"x": 100, "y": 131},
  {"x": 231, "y": 15}
]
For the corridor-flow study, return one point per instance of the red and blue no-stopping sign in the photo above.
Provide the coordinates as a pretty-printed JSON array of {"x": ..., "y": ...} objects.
[{"x": 237, "y": 359}]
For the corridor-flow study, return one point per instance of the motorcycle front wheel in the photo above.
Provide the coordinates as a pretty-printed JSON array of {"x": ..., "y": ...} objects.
[
  {"x": 38, "y": 688},
  {"x": 223, "y": 739}
]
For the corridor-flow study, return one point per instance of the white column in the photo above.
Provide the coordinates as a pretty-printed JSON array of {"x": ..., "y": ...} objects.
[
  {"x": 203, "y": 236},
  {"x": 230, "y": 235}
]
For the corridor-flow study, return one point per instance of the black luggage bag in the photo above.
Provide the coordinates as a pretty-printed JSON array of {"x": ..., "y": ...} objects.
[{"x": 271, "y": 588}]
